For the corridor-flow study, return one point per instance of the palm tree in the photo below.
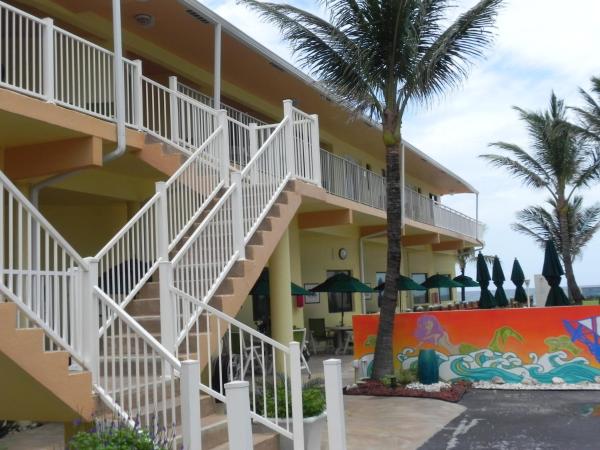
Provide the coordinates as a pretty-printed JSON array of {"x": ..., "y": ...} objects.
[
  {"x": 561, "y": 162},
  {"x": 543, "y": 224},
  {"x": 379, "y": 57},
  {"x": 466, "y": 256},
  {"x": 589, "y": 114}
]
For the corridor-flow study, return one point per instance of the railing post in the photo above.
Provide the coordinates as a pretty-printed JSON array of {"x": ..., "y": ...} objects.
[
  {"x": 190, "y": 405},
  {"x": 336, "y": 420},
  {"x": 75, "y": 314},
  {"x": 48, "y": 59},
  {"x": 237, "y": 215},
  {"x": 161, "y": 221},
  {"x": 239, "y": 427},
  {"x": 290, "y": 151},
  {"x": 167, "y": 305},
  {"x": 224, "y": 156},
  {"x": 138, "y": 95},
  {"x": 174, "y": 109},
  {"x": 316, "y": 150},
  {"x": 253, "y": 144},
  {"x": 89, "y": 319},
  {"x": 296, "y": 390}
]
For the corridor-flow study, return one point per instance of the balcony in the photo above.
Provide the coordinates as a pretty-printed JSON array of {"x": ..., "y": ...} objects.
[{"x": 348, "y": 180}]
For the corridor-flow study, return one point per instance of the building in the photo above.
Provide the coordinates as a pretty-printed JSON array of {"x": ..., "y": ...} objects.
[{"x": 159, "y": 213}]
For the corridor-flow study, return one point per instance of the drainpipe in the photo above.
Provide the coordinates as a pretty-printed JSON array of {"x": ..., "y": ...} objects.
[
  {"x": 217, "y": 68},
  {"x": 119, "y": 97},
  {"x": 361, "y": 257},
  {"x": 477, "y": 216}
]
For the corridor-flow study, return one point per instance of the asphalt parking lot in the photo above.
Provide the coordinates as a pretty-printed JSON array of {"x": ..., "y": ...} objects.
[{"x": 523, "y": 420}]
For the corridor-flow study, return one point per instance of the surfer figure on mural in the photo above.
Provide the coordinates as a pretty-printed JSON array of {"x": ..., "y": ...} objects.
[{"x": 430, "y": 331}]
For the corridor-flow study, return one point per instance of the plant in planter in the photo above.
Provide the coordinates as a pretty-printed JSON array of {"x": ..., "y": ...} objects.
[
  {"x": 119, "y": 435},
  {"x": 313, "y": 410}
]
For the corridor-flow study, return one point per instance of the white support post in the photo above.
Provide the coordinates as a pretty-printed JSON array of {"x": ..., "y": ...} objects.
[
  {"x": 75, "y": 314},
  {"x": 89, "y": 319},
  {"x": 167, "y": 305},
  {"x": 48, "y": 59},
  {"x": 237, "y": 215},
  {"x": 290, "y": 151},
  {"x": 239, "y": 427},
  {"x": 174, "y": 109},
  {"x": 190, "y": 405},
  {"x": 138, "y": 95},
  {"x": 336, "y": 420},
  {"x": 316, "y": 150},
  {"x": 161, "y": 222},
  {"x": 477, "y": 216},
  {"x": 224, "y": 157},
  {"x": 253, "y": 144},
  {"x": 296, "y": 391}
]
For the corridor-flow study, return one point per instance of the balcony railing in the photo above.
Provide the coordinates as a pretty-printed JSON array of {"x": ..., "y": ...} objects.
[{"x": 349, "y": 180}]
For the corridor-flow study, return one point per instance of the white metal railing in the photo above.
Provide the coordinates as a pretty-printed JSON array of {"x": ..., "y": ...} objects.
[
  {"x": 241, "y": 353},
  {"x": 349, "y": 180},
  {"x": 137, "y": 378},
  {"x": 425, "y": 210},
  {"x": 39, "y": 270},
  {"x": 22, "y": 53},
  {"x": 305, "y": 130}
]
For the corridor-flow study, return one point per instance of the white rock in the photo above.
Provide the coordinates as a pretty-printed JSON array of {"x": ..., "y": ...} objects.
[
  {"x": 527, "y": 381},
  {"x": 497, "y": 380},
  {"x": 597, "y": 379},
  {"x": 557, "y": 380}
]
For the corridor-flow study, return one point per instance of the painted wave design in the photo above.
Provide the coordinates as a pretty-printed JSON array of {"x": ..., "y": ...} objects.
[{"x": 484, "y": 365}]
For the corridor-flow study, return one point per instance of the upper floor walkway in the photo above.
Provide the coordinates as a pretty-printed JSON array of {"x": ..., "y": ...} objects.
[{"x": 42, "y": 60}]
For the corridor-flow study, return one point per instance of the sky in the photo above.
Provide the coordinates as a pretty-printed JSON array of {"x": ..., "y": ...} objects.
[{"x": 541, "y": 46}]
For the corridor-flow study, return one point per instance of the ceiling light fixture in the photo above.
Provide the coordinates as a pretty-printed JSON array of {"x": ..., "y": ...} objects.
[{"x": 145, "y": 20}]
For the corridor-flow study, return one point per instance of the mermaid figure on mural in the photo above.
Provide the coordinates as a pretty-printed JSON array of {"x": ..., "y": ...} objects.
[{"x": 430, "y": 331}]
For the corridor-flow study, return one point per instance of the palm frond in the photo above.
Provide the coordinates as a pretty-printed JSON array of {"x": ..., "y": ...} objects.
[{"x": 528, "y": 176}]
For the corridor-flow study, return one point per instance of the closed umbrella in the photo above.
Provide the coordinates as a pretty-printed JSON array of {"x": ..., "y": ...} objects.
[
  {"x": 518, "y": 278},
  {"x": 486, "y": 300},
  {"x": 342, "y": 283},
  {"x": 552, "y": 272},
  {"x": 404, "y": 284},
  {"x": 498, "y": 278}
]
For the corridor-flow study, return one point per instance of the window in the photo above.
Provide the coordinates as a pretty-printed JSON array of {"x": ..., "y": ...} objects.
[
  {"x": 419, "y": 297},
  {"x": 434, "y": 197},
  {"x": 338, "y": 302},
  {"x": 446, "y": 293}
]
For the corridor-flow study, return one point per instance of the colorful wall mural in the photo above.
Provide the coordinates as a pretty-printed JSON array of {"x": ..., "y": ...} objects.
[{"x": 518, "y": 345}]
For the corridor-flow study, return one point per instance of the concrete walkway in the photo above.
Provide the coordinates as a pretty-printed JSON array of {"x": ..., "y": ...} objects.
[
  {"x": 387, "y": 422},
  {"x": 371, "y": 422}
]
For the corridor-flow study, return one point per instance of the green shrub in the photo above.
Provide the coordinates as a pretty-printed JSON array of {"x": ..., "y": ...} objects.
[
  {"x": 313, "y": 399},
  {"x": 401, "y": 377},
  {"x": 119, "y": 435}
]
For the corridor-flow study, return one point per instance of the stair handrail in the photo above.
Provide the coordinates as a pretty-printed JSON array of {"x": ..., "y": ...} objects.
[
  {"x": 38, "y": 262},
  {"x": 269, "y": 366}
]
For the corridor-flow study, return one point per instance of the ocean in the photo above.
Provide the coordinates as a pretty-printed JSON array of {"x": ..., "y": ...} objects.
[{"x": 472, "y": 294}]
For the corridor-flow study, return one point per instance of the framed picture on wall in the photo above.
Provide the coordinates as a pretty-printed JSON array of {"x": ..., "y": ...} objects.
[{"x": 314, "y": 298}]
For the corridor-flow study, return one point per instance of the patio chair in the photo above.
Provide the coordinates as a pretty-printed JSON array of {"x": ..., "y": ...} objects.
[
  {"x": 300, "y": 337},
  {"x": 249, "y": 352},
  {"x": 349, "y": 341},
  {"x": 318, "y": 333}
]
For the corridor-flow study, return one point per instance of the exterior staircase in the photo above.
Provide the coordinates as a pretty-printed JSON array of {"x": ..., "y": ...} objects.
[
  {"x": 160, "y": 155},
  {"x": 37, "y": 384}
]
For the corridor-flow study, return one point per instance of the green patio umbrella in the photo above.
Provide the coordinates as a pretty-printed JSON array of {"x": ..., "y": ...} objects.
[
  {"x": 518, "y": 278},
  {"x": 498, "y": 278},
  {"x": 261, "y": 287},
  {"x": 404, "y": 284},
  {"x": 342, "y": 283},
  {"x": 552, "y": 272},
  {"x": 486, "y": 300},
  {"x": 466, "y": 282},
  {"x": 440, "y": 281}
]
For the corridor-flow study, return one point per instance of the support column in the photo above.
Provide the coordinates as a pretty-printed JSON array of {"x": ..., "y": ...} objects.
[
  {"x": 296, "y": 270},
  {"x": 280, "y": 291}
]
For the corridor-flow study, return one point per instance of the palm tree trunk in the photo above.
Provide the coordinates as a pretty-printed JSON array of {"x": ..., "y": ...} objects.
[
  {"x": 383, "y": 363},
  {"x": 566, "y": 253}
]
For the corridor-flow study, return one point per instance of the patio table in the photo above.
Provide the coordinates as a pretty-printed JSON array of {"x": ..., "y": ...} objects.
[{"x": 340, "y": 331}]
